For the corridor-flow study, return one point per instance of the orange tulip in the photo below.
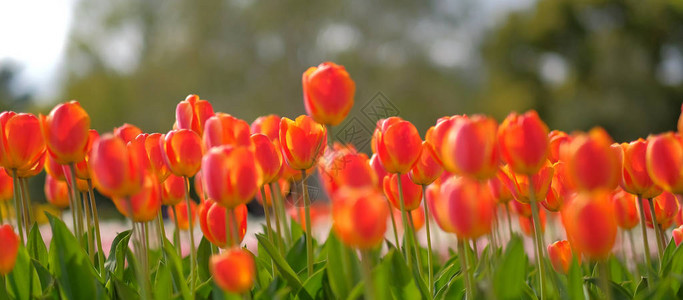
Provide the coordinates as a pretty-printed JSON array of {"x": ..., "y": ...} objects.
[
  {"x": 560, "y": 190},
  {"x": 56, "y": 192},
  {"x": 66, "y": 132},
  {"x": 522, "y": 209},
  {"x": 54, "y": 169},
  {"x": 192, "y": 113},
  {"x": 591, "y": 162},
  {"x": 379, "y": 170},
  {"x": 145, "y": 204},
  {"x": 519, "y": 184},
  {"x": 268, "y": 159},
  {"x": 234, "y": 270},
  {"x": 231, "y": 176},
  {"x": 35, "y": 169},
  {"x": 437, "y": 134},
  {"x": 438, "y": 207},
  {"x": 173, "y": 190},
  {"x": 9, "y": 250},
  {"x": 526, "y": 222},
  {"x": 470, "y": 206},
  {"x": 267, "y": 125},
  {"x": 398, "y": 144},
  {"x": 557, "y": 139},
  {"x": 625, "y": 209},
  {"x": 127, "y": 132},
  {"x": 183, "y": 220},
  {"x": 560, "y": 254},
  {"x": 182, "y": 151},
  {"x": 212, "y": 222},
  {"x": 82, "y": 171},
  {"x": 664, "y": 157},
  {"x": 426, "y": 169},
  {"x": 199, "y": 187},
  {"x": 500, "y": 192},
  {"x": 634, "y": 176},
  {"x": 116, "y": 171},
  {"x": 523, "y": 142},
  {"x": 328, "y": 93},
  {"x": 344, "y": 167},
  {"x": 23, "y": 145},
  {"x": 224, "y": 129},
  {"x": 678, "y": 235},
  {"x": 6, "y": 186},
  {"x": 470, "y": 148},
  {"x": 302, "y": 141},
  {"x": 590, "y": 223},
  {"x": 155, "y": 155},
  {"x": 412, "y": 193},
  {"x": 666, "y": 208},
  {"x": 360, "y": 217}
]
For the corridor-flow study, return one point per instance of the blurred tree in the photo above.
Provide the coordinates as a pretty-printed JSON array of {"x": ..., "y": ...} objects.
[{"x": 10, "y": 98}]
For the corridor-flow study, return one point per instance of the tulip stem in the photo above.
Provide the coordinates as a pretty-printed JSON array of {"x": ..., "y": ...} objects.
[
  {"x": 27, "y": 203},
  {"x": 393, "y": 223},
  {"x": 91, "y": 240},
  {"x": 277, "y": 217},
  {"x": 406, "y": 227},
  {"x": 24, "y": 205},
  {"x": 430, "y": 270},
  {"x": 17, "y": 206},
  {"x": 653, "y": 217},
  {"x": 77, "y": 206},
  {"x": 629, "y": 233},
  {"x": 193, "y": 260},
  {"x": 366, "y": 260},
  {"x": 234, "y": 230},
  {"x": 140, "y": 257},
  {"x": 275, "y": 188},
  {"x": 96, "y": 219},
  {"x": 604, "y": 279},
  {"x": 646, "y": 245},
  {"x": 662, "y": 236},
  {"x": 266, "y": 211},
  {"x": 538, "y": 227},
  {"x": 413, "y": 233},
  {"x": 469, "y": 290},
  {"x": 161, "y": 232},
  {"x": 309, "y": 233}
]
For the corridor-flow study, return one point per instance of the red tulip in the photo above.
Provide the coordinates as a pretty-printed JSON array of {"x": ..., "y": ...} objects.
[
  {"x": 360, "y": 217},
  {"x": 519, "y": 184},
  {"x": 302, "y": 141},
  {"x": 666, "y": 208},
  {"x": 66, "y": 132},
  {"x": 437, "y": 134},
  {"x": 412, "y": 193},
  {"x": 173, "y": 190},
  {"x": 470, "y": 206},
  {"x": 560, "y": 190},
  {"x": 82, "y": 171},
  {"x": 192, "y": 113},
  {"x": 35, "y": 169},
  {"x": 590, "y": 223},
  {"x": 231, "y": 175},
  {"x": 426, "y": 169},
  {"x": 182, "y": 151},
  {"x": 470, "y": 148},
  {"x": 343, "y": 167},
  {"x": 183, "y": 220},
  {"x": 267, "y": 125},
  {"x": 328, "y": 93},
  {"x": 234, "y": 270},
  {"x": 500, "y": 192},
  {"x": 116, "y": 171},
  {"x": 9, "y": 250},
  {"x": 199, "y": 187},
  {"x": 398, "y": 144},
  {"x": 678, "y": 235},
  {"x": 6, "y": 186},
  {"x": 560, "y": 254},
  {"x": 144, "y": 205},
  {"x": 664, "y": 157},
  {"x": 557, "y": 140},
  {"x": 268, "y": 159},
  {"x": 635, "y": 178},
  {"x": 438, "y": 207},
  {"x": 155, "y": 155},
  {"x": 523, "y": 142},
  {"x": 592, "y": 163},
  {"x": 522, "y": 209},
  {"x": 625, "y": 209},
  {"x": 23, "y": 145},
  {"x": 212, "y": 222},
  {"x": 224, "y": 129},
  {"x": 54, "y": 169},
  {"x": 127, "y": 132},
  {"x": 379, "y": 170},
  {"x": 56, "y": 192}
]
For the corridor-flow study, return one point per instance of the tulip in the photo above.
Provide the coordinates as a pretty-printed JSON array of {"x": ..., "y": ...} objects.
[
  {"x": 192, "y": 114},
  {"x": 500, "y": 192},
  {"x": 523, "y": 142},
  {"x": 470, "y": 147},
  {"x": 664, "y": 158},
  {"x": 438, "y": 205},
  {"x": 183, "y": 221},
  {"x": 66, "y": 132},
  {"x": 398, "y": 144},
  {"x": 437, "y": 134},
  {"x": 634, "y": 176},
  {"x": 426, "y": 169},
  {"x": 173, "y": 190},
  {"x": 144, "y": 205},
  {"x": 6, "y": 186},
  {"x": 560, "y": 190},
  {"x": 22, "y": 146},
  {"x": 127, "y": 132},
  {"x": 522, "y": 209},
  {"x": 56, "y": 192},
  {"x": 268, "y": 159},
  {"x": 54, "y": 169},
  {"x": 224, "y": 129},
  {"x": 665, "y": 206},
  {"x": 116, "y": 171},
  {"x": 267, "y": 125},
  {"x": 231, "y": 175},
  {"x": 360, "y": 217},
  {"x": 81, "y": 169},
  {"x": 590, "y": 222},
  {"x": 379, "y": 170},
  {"x": 182, "y": 151},
  {"x": 345, "y": 167},
  {"x": 469, "y": 207},
  {"x": 625, "y": 209},
  {"x": 212, "y": 221},
  {"x": 592, "y": 164},
  {"x": 556, "y": 140},
  {"x": 9, "y": 250},
  {"x": 560, "y": 254},
  {"x": 303, "y": 141},
  {"x": 328, "y": 93},
  {"x": 155, "y": 155},
  {"x": 412, "y": 193},
  {"x": 678, "y": 235},
  {"x": 33, "y": 170},
  {"x": 520, "y": 187},
  {"x": 234, "y": 270}
]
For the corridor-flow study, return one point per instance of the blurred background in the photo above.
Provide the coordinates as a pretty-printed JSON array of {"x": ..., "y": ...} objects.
[{"x": 584, "y": 63}]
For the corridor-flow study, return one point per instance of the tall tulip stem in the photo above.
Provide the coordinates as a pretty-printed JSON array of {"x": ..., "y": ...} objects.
[
  {"x": 76, "y": 209},
  {"x": 234, "y": 232},
  {"x": 17, "y": 206},
  {"x": 309, "y": 233},
  {"x": 539, "y": 237},
  {"x": 91, "y": 239},
  {"x": 280, "y": 209},
  {"x": 462, "y": 253},
  {"x": 646, "y": 245},
  {"x": 266, "y": 211},
  {"x": 406, "y": 227},
  {"x": 633, "y": 253},
  {"x": 658, "y": 235},
  {"x": 27, "y": 203},
  {"x": 96, "y": 220},
  {"x": 176, "y": 232},
  {"x": 366, "y": 261},
  {"x": 429, "y": 242},
  {"x": 393, "y": 225},
  {"x": 275, "y": 201},
  {"x": 161, "y": 232},
  {"x": 604, "y": 279},
  {"x": 193, "y": 259},
  {"x": 413, "y": 236}
]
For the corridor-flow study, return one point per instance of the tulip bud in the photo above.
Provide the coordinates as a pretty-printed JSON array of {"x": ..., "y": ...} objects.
[
  {"x": 192, "y": 114},
  {"x": 183, "y": 220},
  {"x": 267, "y": 158},
  {"x": 438, "y": 207},
  {"x": 523, "y": 142},
  {"x": 302, "y": 141},
  {"x": 666, "y": 208},
  {"x": 267, "y": 125},
  {"x": 557, "y": 139},
  {"x": 344, "y": 167},
  {"x": 437, "y": 134},
  {"x": 360, "y": 217},
  {"x": 34, "y": 169},
  {"x": 635, "y": 178},
  {"x": 560, "y": 254},
  {"x": 231, "y": 175},
  {"x": 182, "y": 151},
  {"x": 9, "y": 250},
  {"x": 234, "y": 270},
  {"x": 625, "y": 209},
  {"x": 379, "y": 170},
  {"x": 470, "y": 206},
  {"x": 664, "y": 157},
  {"x": 212, "y": 222},
  {"x": 426, "y": 169},
  {"x": 173, "y": 190},
  {"x": 144, "y": 205},
  {"x": 54, "y": 169},
  {"x": 678, "y": 235},
  {"x": 500, "y": 192},
  {"x": 412, "y": 193},
  {"x": 66, "y": 132},
  {"x": 470, "y": 148},
  {"x": 224, "y": 129},
  {"x": 82, "y": 171},
  {"x": 398, "y": 144},
  {"x": 519, "y": 184},
  {"x": 590, "y": 223},
  {"x": 127, "y": 132},
  {"x": 23, "y": 145},
  {"x": 328, "y": 93},
  {"x": 116, "y": 171},
  {"x": 592, "y": 163},
  {"x": 155, "y": 155},
  {"x": 56, "y": 192}
]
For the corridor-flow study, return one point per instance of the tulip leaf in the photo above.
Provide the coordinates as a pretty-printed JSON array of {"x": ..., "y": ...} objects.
[
  {"x": 297, "y": 255},
  {"x": 618, "y": 292},
  {"x": 163, "y": 285},
  {"x": 454, "y": 290},
  {"x": 313, "y": 286},
  {"x": 575, "y": 281},
  {"x": 174, "y": 266},
  {"x": 36, "y": 246},
  {"x": 448, "y": 272},
  {"x": 20, "y": 279},
  {"x": 509, "y": 275},
  {"x": 339, "y": 277},
  {"x": 116, "y": 262},
  {"x": 285, "y": 270},
  {"x": 123, "y": 291},
  {"x": 203, "y": 256}
]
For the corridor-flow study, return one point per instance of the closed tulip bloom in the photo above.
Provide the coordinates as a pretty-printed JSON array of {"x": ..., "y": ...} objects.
[
  {"x": 557, "y": 139},
  {"x": 22, "y": 145},
  {"x": 664, "y": 157},
  {"x": 522, "y": 209},
  {"x": 56, "y": 192},
  {"x": 173, "y": 190},
  {"x": 267, "y": 125},
  {"x": 559, "y": 189},
  {"x": 438, "y": 207},
  {"x": 9, "y": 250},
  {"x": 182, "y": 151},
  {"x": 344, "y": 167},
  {"x": 398, "y": 144},
  {"x": 519, "y": 184},
  {"x": 54, "y": 169},
  {"x": 268, "y": 159},
  {"x": 155, "y": 155},
  {"x": 145, "y": 204},
  {"x": 437, "y": 134},
  {"x": 214, "y": 221},
  {"x": 199, "y": 187},
  {"x": 625, "y": 209},
  {"x": 470, "y": 206},
  {"x": 523, "y": 142},
  {"x": 183, "y": 220},
  {"x": 360, "y": 217},
  {"x": 137, "y": 145},
  {"x": 302, "y": 141},
  {"x": 379, "y": 170},
  {"x": 470, "y": 148},
  {"x": 192, "y": 113},
  {"x": 412, "y": 193},
  {"x": 224, "y": 129},
  {"x": 426, "y": 169},
  {"x": 231, "y": 176},
  {"x": 127, "y": 132},
  {"x": 678, "y": 235},
  {"x": 666, "y": 208},
  {"x": 233, "y": 270},
  {"x": 66, "y": 132},
  {"x": 328, "y": 93},
  {"x": 82, "y": 171},
  {"x": 35, "y": 169},
  {"x": 500, "y": 192},
  {"x": 592, "y": 163},
  {"x": 116, "y": 171},
  {"x": 6, "y": 186},
  {"x": 560, "y": 254},
  {"x": 634, "y": 176},
  {"x": 590, "y": 223}
]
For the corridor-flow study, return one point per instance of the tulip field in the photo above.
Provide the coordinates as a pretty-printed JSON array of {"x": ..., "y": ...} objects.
[{"x": 472, "y": 208}]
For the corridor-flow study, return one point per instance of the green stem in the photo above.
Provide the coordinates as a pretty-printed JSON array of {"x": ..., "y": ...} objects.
[
  {"x": 469, "y": 290},
  {"x": 538, "y": 227},
  {"x": 653, "y": 217},
  {"x": 366, "y": 260},
  {"x": 176, "y": 232},
  {"x": 234, "y": 231},
  {"x": 193, "y": 259},
  {"x": 429, "y": 242},
  {"x": 406, "y": 226},
  {"x": 77, "y": 211},
  {"x": 309, "y": 233},
  {"x": 162, "y": 233},
  {"x": 663, "y": 236},
  {"x": 266, "y": 211},
  {"x": 228, "y": 231},
  {"x": 276, "y": 214},
  {"x": 633, "y": 253},
  {"x": 604, "y": 279},
  {"x": 96, "y": 219},
  {"x": 646, "y": 245},
  {"x": 27, "y": 204},
  {"x": 275, "y": 188},
  {"x": 145, "y": 230},
  {"x": 140, "y": 268},
  {"x": 393, "y": 223},
  {"x": 17, "y": 205},
  {"x": 91, "y": 240},
  {"x": 418, "y": 254}
]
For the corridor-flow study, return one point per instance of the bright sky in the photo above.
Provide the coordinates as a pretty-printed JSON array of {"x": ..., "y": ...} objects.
[{"x": 33, "y": 35}]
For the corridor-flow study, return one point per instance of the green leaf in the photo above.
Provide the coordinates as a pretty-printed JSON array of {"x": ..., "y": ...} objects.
[
  {"x": 455, "y": 288},
  {"x": 36, "y": 245},
  {"x": 618, "y": 292},
  {"x": 508, "y": 278},
  {"x": 297, "y": 255},
  {"x": 575, "y": 281},
  {"x": 285, "y": 270},
  {"x": 116, "y": 262},
  {"x": 163, "y": 285},
  {"x": 297, "y": 231},
  {"x": 46, "y": 279},
  {"x": 123, "y": 291},
  {"x": 339, "y": 278},
  {"x": 444, "y": 276},
  {"x": 20, "y": 279},
  {"x": 203, "y": 256},
  {"x": 313, "y": 285},
  {"x": 174, "y": 266}
]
